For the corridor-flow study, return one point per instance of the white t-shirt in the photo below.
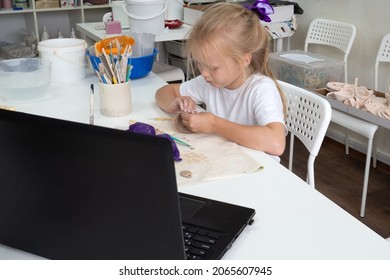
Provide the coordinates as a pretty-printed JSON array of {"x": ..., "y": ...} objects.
[{"x": 255, "y": 102}]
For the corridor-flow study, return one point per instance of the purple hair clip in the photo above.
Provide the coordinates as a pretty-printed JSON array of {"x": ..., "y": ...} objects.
[{"x": 262, "y": 8}]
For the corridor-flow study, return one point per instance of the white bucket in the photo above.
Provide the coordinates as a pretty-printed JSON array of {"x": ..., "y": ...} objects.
[
  {"x": 118, "y": 13},
  {"x": 146, "y": 16},
  {"x": 67, "y": 56},
  {"x": 175, "y": 10}
]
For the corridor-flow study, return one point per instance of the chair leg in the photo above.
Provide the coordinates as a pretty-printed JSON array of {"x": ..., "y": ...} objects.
[
  {"x": 310, "y": 171},
  {"x": 374, "y": 153},
  {"x": 346, "y": 141},
  {"x": 291, "y": 153},
  {"x": 366, "y": 176}
]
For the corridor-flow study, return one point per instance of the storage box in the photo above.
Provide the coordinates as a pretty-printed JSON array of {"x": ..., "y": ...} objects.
[
  {"x": 281, "y": 13},
  {"x": 178, "y": 62},
  {"x": 176, "y": 48},
  {"x": 182, "y": 63},
  {"x": 205, "y": 1},
  {"x": 113, "y": 27},
  {"x": 309, "y": 75},
  {"x": 365, "y": 115},
  {"x": 46, "y": 4}
]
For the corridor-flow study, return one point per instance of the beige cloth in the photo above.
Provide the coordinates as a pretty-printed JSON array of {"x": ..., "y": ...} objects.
[{"x": 211, "y": 157}]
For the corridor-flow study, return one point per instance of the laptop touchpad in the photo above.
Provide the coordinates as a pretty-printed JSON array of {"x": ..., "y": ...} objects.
[{"x": 189, "y": 206}]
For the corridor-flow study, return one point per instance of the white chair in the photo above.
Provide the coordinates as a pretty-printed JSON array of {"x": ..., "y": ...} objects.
[
  {"x": 167, "y": 72},
  {"x": 341, "y": 35},
  {"x": 308, "y": 117},
  {"x": 369, "y": 130},
  {"x": 382, "y": 56}
]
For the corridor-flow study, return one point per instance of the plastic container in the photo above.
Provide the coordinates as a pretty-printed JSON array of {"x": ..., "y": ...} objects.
[
  {"x": 177, "y": 48},
  {"x": 24, "y": 79},
  {"x": 146, "y": 16},
  {"x": 118, "y": 13},
  {"x": 310, "y": 75},
  {"x": 143, "y": 45},
  {"x": 141, "y": 65},
  {"x": 67, "y": 56},
  {"x": 175, "y": 10},
  {"x": 178, "y": 62}
]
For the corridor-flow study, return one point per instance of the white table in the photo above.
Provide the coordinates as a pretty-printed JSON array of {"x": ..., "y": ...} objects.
[
  {"x": 96, "y": 32},
  {"x": 293, "y": 221}
]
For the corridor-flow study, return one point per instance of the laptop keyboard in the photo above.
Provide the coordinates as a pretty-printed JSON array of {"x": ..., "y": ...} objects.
[{"x": 198, "y": 242}]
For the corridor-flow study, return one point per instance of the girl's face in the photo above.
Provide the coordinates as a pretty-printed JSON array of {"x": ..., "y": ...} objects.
[{"x": 223, "y": 72}]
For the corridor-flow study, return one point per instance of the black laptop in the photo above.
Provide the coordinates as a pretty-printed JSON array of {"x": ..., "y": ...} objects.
[{"x": 75, "y": 191}]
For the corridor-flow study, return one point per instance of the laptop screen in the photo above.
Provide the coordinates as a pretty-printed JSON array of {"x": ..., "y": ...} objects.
[{"x": 75, "y": 191}]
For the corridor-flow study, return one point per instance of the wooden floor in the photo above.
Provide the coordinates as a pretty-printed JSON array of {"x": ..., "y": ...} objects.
[{"x": 340, "y": 178}]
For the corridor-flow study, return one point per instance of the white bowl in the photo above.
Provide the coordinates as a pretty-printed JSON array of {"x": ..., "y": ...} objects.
[{"x": 24, "y": 79}]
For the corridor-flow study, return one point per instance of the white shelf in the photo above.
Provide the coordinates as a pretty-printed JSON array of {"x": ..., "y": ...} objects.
[
  {"x": 13, "y": 12},
  {"x": 32, "y": 20}
]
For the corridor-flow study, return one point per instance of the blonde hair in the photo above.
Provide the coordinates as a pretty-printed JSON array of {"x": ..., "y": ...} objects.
[{"x": 233, "y": 31}]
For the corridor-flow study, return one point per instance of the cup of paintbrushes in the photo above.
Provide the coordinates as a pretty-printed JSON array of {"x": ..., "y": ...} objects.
[{"x": 115, "y": 99}]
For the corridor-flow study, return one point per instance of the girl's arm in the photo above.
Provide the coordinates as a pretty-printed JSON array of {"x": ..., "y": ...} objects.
[{"x": 270, "y": 138}]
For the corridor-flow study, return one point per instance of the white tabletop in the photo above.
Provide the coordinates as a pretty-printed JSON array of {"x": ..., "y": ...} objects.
[
  {"x": 293, "y": 221},
  {"x": 96, "y": 32}
]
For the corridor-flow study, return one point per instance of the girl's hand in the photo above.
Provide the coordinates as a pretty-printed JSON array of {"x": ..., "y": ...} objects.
[
  {"x": 184, "y": 104},
  {"x": 199, "y": 122}
]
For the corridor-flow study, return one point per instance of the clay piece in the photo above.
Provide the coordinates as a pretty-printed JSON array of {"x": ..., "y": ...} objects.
[
  {"x": 179, "y": 126},
  {"x": 186, "y": 173}
]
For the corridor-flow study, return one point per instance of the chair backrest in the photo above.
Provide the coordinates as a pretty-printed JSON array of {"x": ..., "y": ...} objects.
[
  {"x": 336, "y": 34},
  {"x": 308, "y": 117},
  {"x": 331, "y": 33},
  {"x": 382, "y": 56}
]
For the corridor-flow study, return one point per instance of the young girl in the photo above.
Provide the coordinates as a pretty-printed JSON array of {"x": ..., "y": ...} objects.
[{"x": 243, "y": 101}]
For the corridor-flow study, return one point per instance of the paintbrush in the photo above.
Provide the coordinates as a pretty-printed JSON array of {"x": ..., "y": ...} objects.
[
  {"x": 162, "y": 119},
  {"x": 109, "y": 66},
  {"x": 105, "y": 76},
  {"x": 180, "y": 141}
]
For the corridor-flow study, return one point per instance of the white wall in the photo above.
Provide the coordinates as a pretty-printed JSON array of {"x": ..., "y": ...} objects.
[{"x": 372, "y": 21}]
